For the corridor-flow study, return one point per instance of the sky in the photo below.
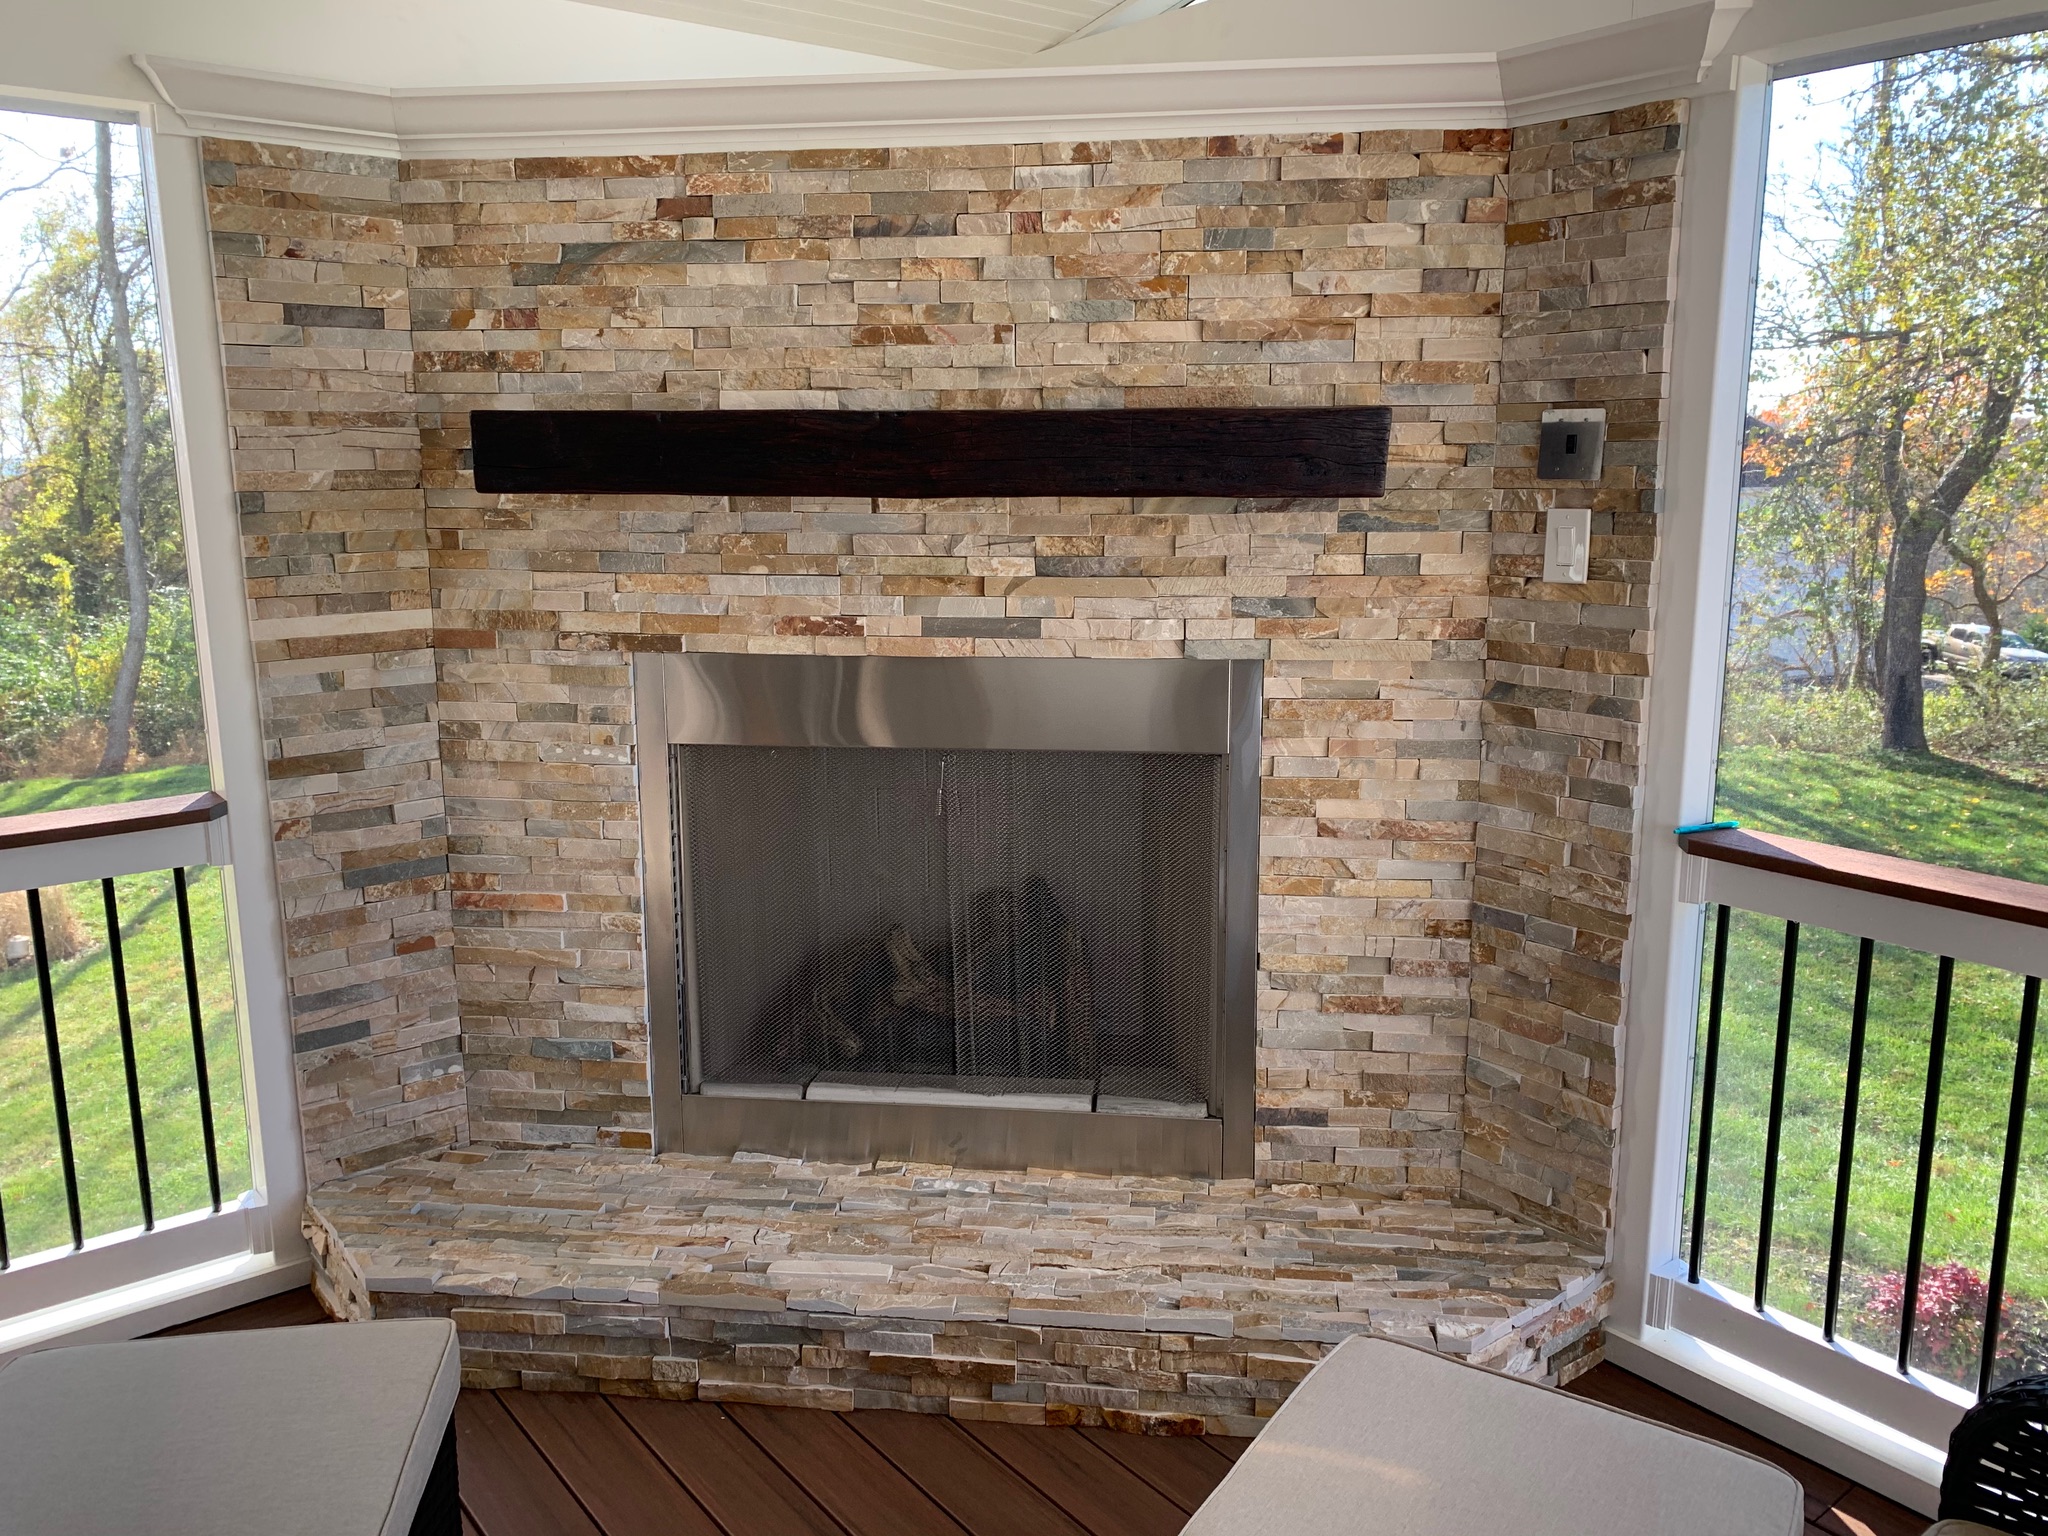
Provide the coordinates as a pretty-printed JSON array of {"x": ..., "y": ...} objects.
[
  {"x": 1810, "y": 120},
  {"x": 32, "y": 146}
]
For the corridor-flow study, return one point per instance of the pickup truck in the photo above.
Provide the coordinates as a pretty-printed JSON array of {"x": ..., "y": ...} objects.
[{"x": 1961, "y": 648}]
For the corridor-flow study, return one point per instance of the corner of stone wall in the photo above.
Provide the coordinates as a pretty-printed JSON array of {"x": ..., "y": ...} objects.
[
  {"x": 310, "y": 261},
  {"x": 1591, "y": 203}
]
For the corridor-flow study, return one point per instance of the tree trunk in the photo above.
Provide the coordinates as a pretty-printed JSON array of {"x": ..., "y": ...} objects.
[
  {"x": 121, "y": 709},
  {"x": 1901, "y": 703},
  {"x": 1988, "y": 603},
  {"x": 1900, "y": 700}
]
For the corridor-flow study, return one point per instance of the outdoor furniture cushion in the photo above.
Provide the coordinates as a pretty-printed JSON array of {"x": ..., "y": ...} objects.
[
  {"x": 1391, "y": 1440},
  {"x": 331, "y": 1429}
]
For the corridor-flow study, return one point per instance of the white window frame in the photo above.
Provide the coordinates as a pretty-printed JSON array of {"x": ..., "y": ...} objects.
[
  {"x": 193, "y": 1265},
  {"x": 1820, "y": 1400}
]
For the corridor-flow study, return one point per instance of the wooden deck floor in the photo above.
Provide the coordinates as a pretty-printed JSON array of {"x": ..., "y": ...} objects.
[{"x": 557, "y": 1464}]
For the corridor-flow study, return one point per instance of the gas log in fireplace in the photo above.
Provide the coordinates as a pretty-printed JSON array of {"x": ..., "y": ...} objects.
[{"x": 997, "y": 912}]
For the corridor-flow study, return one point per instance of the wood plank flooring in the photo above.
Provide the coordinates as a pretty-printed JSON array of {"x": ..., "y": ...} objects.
[{"x": 561, "y": 1464}]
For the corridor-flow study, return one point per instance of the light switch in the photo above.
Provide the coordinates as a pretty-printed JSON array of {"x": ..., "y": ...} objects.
[{"x": 1567, "y": 544}]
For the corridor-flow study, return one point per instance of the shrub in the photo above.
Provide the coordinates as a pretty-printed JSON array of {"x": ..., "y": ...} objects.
[
  {"x": 1760, "y": 711},
  {"x": 62, "y": 931},
  {"x": 2001, "y": 725},
  {"x": 1948, "y": 1321},
  {"x": 1948, "y": 1314},
  {"x": 1993, "y": 721},
  {"x": 57, "y": 677}
]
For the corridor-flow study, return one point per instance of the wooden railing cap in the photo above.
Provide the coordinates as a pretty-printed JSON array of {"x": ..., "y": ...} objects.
[
  {"x": 46, "y": 827},
  {"x": 1881, "y": 874}
]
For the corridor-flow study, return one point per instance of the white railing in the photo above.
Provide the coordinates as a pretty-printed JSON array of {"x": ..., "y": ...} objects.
[
  {"x": 1942, "y": 918},
  {"x": 59, "y": 1273}
]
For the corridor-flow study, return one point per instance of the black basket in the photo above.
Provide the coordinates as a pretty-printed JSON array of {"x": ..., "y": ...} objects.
[{"x": 1997, "y": 1472}]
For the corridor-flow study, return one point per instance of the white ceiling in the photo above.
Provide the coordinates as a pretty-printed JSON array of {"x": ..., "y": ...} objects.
[
  {"x": 995, "y": 34},
  {"x": 1025, "y": 68},
  {"x": 992, "y": 34},
  {"x": 84, "y": 46},
  {"x": 952, "y": 34}
]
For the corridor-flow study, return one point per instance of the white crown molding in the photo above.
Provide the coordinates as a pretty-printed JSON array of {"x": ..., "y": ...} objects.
[
  {"x": 1619, "y": 67},
  {"x": 273, "y": 109}
]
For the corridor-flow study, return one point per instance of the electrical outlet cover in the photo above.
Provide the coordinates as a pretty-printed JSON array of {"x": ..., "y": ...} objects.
[{"x": 1570, "y": 450}]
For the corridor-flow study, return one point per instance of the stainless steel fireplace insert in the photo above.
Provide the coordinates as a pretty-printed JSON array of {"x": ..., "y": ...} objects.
[{"x": 993, "y": 912}]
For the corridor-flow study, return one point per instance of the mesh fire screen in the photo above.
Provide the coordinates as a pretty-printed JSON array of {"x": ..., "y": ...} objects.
[{"x": 896, "y": 922}]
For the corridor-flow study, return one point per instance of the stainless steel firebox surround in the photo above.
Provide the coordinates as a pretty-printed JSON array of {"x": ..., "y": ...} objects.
[{"x": 925, "y": 706}]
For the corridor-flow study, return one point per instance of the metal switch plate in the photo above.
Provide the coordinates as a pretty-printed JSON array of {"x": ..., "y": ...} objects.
[{"x": 1570, "y": 449}]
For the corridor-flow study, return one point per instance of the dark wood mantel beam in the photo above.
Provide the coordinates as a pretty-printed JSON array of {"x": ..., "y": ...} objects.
[{"x": 1198, "y": 452}]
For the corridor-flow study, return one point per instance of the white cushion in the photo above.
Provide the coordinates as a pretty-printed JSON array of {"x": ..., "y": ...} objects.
[
  {"x": 1396, "y": 1441},
  {"x": 329, "y": 1430}
]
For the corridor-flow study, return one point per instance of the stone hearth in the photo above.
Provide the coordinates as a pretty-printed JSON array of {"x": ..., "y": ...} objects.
[{"x": 1166, "y": 1305}]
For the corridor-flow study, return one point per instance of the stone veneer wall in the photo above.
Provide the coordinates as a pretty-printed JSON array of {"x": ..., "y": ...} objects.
[
  {"x": 312, "y": 268},
  {"x": 1585, "y": 316},
  {"x": 1435, "y": 716}
]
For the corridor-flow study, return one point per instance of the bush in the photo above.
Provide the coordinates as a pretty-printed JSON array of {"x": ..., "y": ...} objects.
[
  {"x": 56, "y": 677},
  {"x": 1759, "y": 711},
  {"x": 2002, "y": 724},
  {"x": 2001, "y": 721},
  {"x": 39, "y": 690},
  {"x": 1948, "y": 1322},
  {"x": 62, "y": 932},
  {"x": 167, "y": 706}
]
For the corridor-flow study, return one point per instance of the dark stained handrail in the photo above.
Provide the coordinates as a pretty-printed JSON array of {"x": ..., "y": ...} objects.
[
  {"x": 1935, "y": 885},
  {"x": 47, "y": 827}
]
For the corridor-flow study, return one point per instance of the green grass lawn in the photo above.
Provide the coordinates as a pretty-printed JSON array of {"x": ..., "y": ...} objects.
[
  {"x": 24, "y": 797},
  {"x": 1928, "y": 809},
  {"x": 31, "y": 1177}
]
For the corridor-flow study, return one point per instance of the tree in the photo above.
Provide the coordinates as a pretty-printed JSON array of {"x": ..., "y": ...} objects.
[
  {"x": 1925, "y": 321},
  {"x": 1810, "y": 560},
  {"x": 88, "y": 484},
  {"x": 1999, "y": 538},
  {"x": 114, "y": 280}
]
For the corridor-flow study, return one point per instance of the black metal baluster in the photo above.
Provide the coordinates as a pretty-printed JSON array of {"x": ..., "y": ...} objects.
[
  {"x": 128, "y": 1052},
  {"x": 1845, "y": 1161},
  {"x": 3, "y": 1235},
  {"x": 1788, "y": 974},
  {"x": 54, "y": 1051},
  {"x": 1923, "y": 1179},
  {"x": 2009, "y": 1178},
  {"x": 198, "y": 1038},
  {"x": 1711, "y": 1069}
]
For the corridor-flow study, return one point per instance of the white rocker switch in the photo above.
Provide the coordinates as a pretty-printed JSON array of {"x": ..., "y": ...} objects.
[{"x": 1567, "y": 544}]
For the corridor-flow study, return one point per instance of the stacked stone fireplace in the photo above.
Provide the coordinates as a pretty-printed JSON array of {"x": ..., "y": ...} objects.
[
  {"x": 988, "y": 912},
  {"x": 1447, "y": 757}
]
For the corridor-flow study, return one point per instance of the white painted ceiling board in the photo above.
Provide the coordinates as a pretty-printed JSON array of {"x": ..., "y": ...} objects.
[
  {"x": 952, "y": 34},
  {"x": 84, "y": 46},
  {"x": 1223, "y": 30}
]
